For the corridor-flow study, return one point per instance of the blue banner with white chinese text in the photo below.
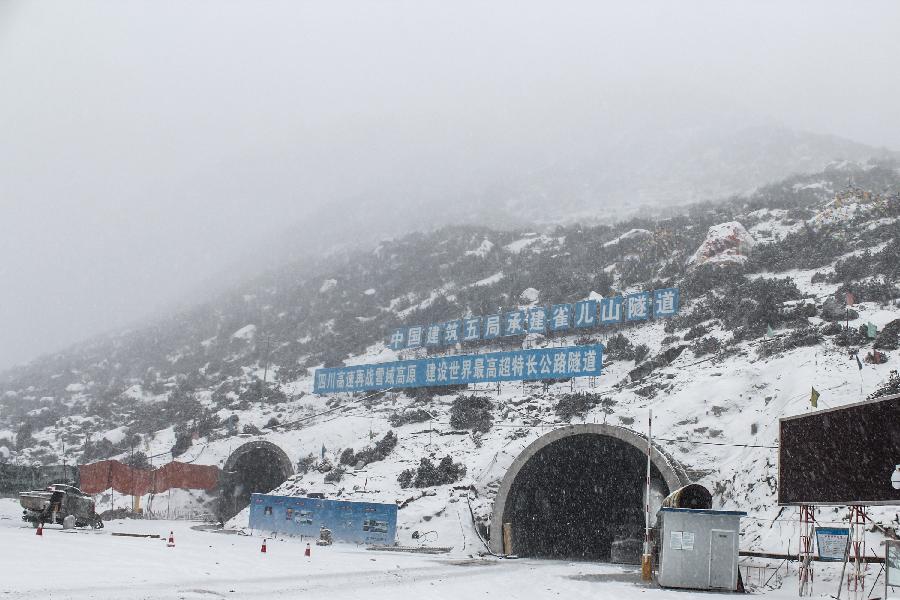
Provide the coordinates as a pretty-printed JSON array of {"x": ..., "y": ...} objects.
[
  {"x": 534, "y": 364},
  {"x": 558, "y": 318}
]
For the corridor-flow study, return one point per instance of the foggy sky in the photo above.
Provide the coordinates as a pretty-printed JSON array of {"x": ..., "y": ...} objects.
[{"x": 145, "y": 146}]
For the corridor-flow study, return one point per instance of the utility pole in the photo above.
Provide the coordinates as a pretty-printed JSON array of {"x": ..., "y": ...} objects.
[
  {"x": 266, "y": 367},
  {"x": 646, "y": 560}
]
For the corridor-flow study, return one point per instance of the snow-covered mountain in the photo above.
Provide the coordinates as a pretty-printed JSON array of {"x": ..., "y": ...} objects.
[
  {"x": 201, "y": 382},
  {"x": 601, "y": 172}
]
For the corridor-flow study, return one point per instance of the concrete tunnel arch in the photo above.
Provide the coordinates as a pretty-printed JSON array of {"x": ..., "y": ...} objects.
[
  {"x": 254, "y": 467},
  {"x": 628, "y": 447}
]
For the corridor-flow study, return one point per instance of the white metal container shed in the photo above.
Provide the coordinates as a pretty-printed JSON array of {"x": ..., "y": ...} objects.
[{"x": 698, "y": 548}]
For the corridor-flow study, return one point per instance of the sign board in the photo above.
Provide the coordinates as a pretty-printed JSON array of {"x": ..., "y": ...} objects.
[
  {"x": 892, "y": 562},
  {"x": 352, "y": 522},
  {"x": 841, "y": 456},
  {"x": 518, "y": 365},
  {"x": 560, "y": 318},
  {"x": 681, "y": 540},
  {"x": 832, "y": 542}
]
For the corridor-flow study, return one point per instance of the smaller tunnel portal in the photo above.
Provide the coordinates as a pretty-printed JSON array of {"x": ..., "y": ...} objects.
[
  {"x": 578, "y": 495},
  {"x": 255, "y": 467}
]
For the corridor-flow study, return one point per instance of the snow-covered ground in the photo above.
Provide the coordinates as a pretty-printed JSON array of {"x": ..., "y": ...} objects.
[{"x": 86, "y": 564}]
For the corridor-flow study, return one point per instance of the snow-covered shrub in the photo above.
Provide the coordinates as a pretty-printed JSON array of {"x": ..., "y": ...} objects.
[
  {"x": 753, "y": 305},
  {"x": 618, "y": 347},
  {"x": 577, "y": 404},
  {"x": 305, "y": 463},
  {"x": 416, "y": 415},
  {"x": 183, "y": 441},
  {"x": 472, "y": 412},
  {"x": 695, "y": 332},
  {"x": 640, "y": 352},
  {"x": 138, "y": 460},
  {"x": 851, "y": 337},
  {"x": 831, "y": 328},
  {"x": 257, "y": 392},
  {"x": 889, "y": 337},
  {"x": 335, "y": 474},
  {"x": 711, "y": 276},
  {"x": 428, "y": 475},
  {"x": 806, "y": 248},
  {"x": 797, "y": 338},
  {"x": 707, "y": 345},
  {"x": 371, "y": 454},
  {"x": 876, "y": 290}
]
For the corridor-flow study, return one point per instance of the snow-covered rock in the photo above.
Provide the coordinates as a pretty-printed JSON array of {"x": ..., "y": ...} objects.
[
  {"x": 327, "y": 285},
  {"x": 725, "y": 243},
  {"x": 482, "y": 250},
  {"x": 245, "y": 333},
  {"x": 529, "y": 296},
  {"x": 489, "y": 280},
  {"x": 628, "y": 235}
]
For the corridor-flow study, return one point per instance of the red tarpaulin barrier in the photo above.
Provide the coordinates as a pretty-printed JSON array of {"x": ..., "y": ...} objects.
[{"x": 100, "y": 476}]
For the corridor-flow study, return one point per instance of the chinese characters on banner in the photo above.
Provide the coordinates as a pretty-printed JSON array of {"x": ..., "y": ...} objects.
[
  {"x": 540, "y": 319},
  {"x": 543, "y": 363}
]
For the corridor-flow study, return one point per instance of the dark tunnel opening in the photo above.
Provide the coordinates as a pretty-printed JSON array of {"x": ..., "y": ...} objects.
[
  {"x": 577, "y": 496},
  {"x": 257, "y": 470}
]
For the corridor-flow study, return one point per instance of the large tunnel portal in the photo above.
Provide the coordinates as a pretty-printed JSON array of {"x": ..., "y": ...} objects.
[
  {"x": 255, "y": 467},
  {"x": 578, "y": 493}
]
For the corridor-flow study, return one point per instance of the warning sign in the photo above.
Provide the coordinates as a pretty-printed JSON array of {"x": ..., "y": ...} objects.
[
  {"x": 681, "y": 540},
  {"x": 832, "y": 543}
]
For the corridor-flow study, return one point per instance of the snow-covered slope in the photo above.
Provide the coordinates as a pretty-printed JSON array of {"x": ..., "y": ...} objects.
[{"x": 239, "y": 369}]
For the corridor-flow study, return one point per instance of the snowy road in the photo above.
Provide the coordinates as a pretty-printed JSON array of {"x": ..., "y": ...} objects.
[{"x": 95, "y": 564}]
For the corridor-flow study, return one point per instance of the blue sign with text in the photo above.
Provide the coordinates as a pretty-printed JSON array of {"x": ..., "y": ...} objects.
[
  {"x": 559, "y": 318},
  {"x": 517, "y": 365}
]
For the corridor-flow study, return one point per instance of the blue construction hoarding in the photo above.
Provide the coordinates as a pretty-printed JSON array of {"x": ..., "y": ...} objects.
[
  {"x": 351, "y": 522},
  {"x": 518, "y": 365}
]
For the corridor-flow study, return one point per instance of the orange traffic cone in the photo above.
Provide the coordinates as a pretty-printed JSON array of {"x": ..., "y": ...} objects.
[
  {"x": 40, "y": 529},
  {"x": 263, "y": 549},
  {"x": 308, "y": 552},
  {"x": 171, "y": 542}
]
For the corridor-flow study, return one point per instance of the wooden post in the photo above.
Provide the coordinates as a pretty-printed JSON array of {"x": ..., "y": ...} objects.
[{"x": 507, "y": 539}]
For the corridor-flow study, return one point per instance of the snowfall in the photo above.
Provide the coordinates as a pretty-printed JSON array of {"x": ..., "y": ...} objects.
[
  {"x": 205, "y": 564},
  {"x": 718, "y": 416}
]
